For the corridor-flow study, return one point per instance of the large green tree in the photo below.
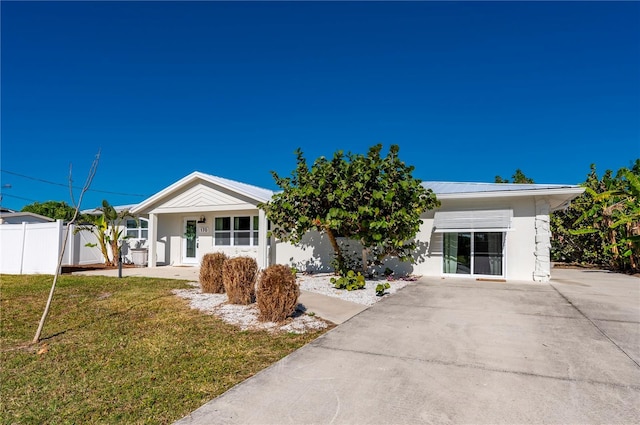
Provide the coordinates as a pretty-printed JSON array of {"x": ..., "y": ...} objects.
[
  {"x": 58, "y": 210},
  {"x": 602, "y": 226},
  {"x": 369, "y": 198}
]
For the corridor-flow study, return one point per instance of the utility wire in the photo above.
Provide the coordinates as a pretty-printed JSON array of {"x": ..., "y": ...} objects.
[
  {"x": 18, "y": 197},
  {"x": 66, "y": 185}
]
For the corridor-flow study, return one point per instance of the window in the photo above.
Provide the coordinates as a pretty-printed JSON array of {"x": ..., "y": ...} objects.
[
  {"x": 473, "y": 253},
  {"x": 223, "y": 231},
  {"x": 138, "y": 229},
  {"x": 244, "y": 232}
]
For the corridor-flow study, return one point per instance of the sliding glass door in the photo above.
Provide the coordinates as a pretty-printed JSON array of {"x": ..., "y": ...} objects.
[{"x": 473, "y": 253}]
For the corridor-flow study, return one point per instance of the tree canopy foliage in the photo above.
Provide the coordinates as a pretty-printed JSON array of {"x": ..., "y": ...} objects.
[
  {"x": 517, "y": 177},
  {"x": 58, "y": 210},
  {"x": 602, "y": 226},
  {"x": 372, "y": 199}
]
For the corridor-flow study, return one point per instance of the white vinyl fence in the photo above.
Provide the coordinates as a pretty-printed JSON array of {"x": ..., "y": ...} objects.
[{"x": 34, "y": 248}]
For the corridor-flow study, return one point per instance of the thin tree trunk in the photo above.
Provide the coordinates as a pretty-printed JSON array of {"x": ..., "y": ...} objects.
[
  {"x": 36, "y": 338},
  {"x": 92, "y": 172},
  {"x": 365, "y": 262},
  {"x": 115, "y": 251},
  {"x": 336, "y": 247}
]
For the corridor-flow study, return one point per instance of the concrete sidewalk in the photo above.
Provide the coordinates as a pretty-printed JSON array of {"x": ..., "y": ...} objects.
[
  {"x": 449, "y": 351},
  {"x": 329, "y": 308}
]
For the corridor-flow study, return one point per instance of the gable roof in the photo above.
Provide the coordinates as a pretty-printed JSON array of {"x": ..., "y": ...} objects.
[{"x": 256, "y": 193}]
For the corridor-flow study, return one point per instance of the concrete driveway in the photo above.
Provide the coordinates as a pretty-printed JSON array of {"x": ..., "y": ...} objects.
[{"x": 457, "y": 351}]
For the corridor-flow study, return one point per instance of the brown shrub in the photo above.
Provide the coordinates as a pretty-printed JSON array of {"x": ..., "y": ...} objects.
[
  {"x": 239, "y": 277},
  {"x": 277, "y": 294},
  {"x": 211, "y": 273}
]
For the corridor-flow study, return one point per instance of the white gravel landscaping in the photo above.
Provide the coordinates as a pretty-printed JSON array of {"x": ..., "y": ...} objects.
[
  {"x": 246, "y": 316},
  {"x": 320, "y": 283}
]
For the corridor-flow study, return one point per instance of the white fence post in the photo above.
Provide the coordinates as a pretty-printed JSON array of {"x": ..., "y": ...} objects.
[
  {"x": 24, "y": 238},
  {"x": 71, "y": 244}
]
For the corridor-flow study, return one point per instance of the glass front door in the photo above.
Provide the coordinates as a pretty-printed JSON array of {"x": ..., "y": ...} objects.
[
  {"x": 473, "y": 253},
  {"x": 189, "y": 253}
]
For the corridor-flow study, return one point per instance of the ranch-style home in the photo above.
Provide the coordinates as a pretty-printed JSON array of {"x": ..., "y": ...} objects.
[{"x": 481, "y": 230}]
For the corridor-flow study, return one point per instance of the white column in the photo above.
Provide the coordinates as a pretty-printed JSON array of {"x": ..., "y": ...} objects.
[
  {"x": 542, "y": 271},
  {"x": 153, "y": 240},
  {"x": 263, "y": 259}
]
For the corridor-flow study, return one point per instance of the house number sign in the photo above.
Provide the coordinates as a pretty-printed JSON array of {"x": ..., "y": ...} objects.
[{"x": 203, "y": 229}]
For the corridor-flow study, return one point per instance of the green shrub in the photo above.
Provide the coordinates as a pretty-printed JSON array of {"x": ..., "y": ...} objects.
[
  {"x": 211, "y": 273},
  {"x": 239, "y": 278},
  {"x": 277, "y": 293},
  {"x": 381, "y": 287},
  {"x": 349, "y": 281}
]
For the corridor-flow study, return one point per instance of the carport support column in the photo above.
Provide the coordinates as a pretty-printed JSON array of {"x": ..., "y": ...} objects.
[
  {"x": 263, "y": 261},
  {"x": 153, "y": 240},
  {"x": 542, "y": 271}
]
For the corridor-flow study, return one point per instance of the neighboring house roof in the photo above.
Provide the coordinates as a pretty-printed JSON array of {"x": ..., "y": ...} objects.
[
  {"x": 559, "y": 195},
  {"x": 118, "y": 208},
  {"x": 256, "y": 193},
  {"x": 20, "y": 217}
]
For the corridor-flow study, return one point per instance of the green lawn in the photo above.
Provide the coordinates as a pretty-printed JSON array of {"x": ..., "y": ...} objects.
[{"x": 119, "y": 351}]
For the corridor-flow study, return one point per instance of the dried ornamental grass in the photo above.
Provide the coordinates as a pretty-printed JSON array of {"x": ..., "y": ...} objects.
[
  {"x": 277, "y": 294},
  {"x": 239, "y": 277},
  {"x": 211, "y": 273}
]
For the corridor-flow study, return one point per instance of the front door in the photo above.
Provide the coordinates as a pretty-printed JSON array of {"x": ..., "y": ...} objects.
[{"x": 190, "y": 241}]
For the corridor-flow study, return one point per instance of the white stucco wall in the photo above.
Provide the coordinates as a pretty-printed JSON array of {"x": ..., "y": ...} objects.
[
  {"x": 519, "y": 241},
  {"x": 314, "y": 253},
  {"x": 168, "y": 242}
]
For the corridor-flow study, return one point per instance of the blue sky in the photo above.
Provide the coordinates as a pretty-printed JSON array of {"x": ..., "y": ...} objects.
[{"x": 467, "y": 90}]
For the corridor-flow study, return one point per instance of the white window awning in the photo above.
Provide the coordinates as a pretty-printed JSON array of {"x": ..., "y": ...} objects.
[{"x": 470, "y": 221}]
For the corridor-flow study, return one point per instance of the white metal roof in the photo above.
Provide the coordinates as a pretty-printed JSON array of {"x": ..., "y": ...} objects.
[
  {"x": 558, "y": 195},
  {"x": 444, "y": 190},
  {"x": 254, "y": 192},
  {"x": 441, "y": 188}
]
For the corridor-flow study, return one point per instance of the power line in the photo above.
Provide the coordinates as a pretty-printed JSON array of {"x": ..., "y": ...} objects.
[
  {"x": 18, "y": 197},
  {"x": 75, "y": 187}
]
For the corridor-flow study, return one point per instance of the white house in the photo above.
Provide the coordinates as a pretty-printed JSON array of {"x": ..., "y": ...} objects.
[{"x": 481, "y": 230}]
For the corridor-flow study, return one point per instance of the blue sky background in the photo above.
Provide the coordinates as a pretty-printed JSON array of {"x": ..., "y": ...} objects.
[{"x": 467, "y": 90}]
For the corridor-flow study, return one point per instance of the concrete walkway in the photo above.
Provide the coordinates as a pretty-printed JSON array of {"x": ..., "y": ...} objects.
[
  {"x": 460, "y": 351},
  {"x": 329, "y": 308}
]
